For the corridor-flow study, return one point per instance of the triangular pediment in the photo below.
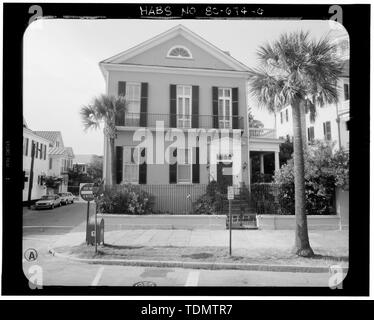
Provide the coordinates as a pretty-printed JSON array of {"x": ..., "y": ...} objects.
[{"x": 156, "y": 52}]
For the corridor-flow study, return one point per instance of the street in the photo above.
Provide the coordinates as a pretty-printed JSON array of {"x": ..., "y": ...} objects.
[{"x": 42, "y": 228}]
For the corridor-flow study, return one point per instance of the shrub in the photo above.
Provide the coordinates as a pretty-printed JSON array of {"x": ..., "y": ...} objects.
[
  {"x": 324, "y": 170},
  {"x": 126, "y": 199},
  {"x": 212, "y": 201}
]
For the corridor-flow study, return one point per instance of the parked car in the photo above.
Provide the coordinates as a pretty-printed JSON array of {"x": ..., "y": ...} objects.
[
  {"x": 48, "y": 201},
  {"x": 66, "y": 197}
]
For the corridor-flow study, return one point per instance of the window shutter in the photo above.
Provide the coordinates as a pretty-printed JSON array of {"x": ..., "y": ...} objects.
[
  {"x": 120, "y": 116},
  {"x": 143, "y": 168},
  {"x": 173, "y": 106},
  {"x": 173, "y": 169},
  {"x": 37, "y": 150},
  {"x": 235, "y": 108},
  {"x": 196, "y": 167},
  {"x": 27, "y": 146},
  {"x": 45, "y": 151},
  {"x": 215, "y": 106},
  {"x": 324, "y": 129},
  {"x": 143, "y": 104},
  {"x": 119, "y": 164},
  {"x": 328, "y": 130},
  {"x": 195, "y": 106}
]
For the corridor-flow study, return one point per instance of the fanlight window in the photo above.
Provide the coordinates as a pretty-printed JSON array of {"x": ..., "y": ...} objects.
[{"x": 179, "y": 52}]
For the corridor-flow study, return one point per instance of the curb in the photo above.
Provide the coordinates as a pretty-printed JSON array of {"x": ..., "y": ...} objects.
[{"x": 199, "y": 265}]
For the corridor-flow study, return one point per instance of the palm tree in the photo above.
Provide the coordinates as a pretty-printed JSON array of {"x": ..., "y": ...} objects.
[
  {"x": 105, "y": 109},
  {"x": 302, "y": 72}
]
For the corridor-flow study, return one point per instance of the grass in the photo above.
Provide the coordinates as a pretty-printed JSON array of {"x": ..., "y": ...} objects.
[{"x": 206, "y": 254}]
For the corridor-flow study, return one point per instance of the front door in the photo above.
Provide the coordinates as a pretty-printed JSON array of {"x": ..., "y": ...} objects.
[{"x": 224, "y": 173}]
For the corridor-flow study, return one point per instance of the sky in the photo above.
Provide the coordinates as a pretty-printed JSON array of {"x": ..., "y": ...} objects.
[{"x": 61, "y": 63}]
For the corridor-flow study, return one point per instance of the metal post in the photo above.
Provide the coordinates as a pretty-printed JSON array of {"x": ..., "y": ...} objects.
[
  {"x": 31, "y": 178},
  {"x": 230, "y": 218},
  {"x": 87, "y": 220},
  {"x": 95, "y": 229}
]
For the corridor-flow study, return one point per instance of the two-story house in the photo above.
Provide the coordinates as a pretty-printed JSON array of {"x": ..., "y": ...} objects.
[
  {"x": 38, "y": 168},
  {"x": 331, "y": 123},
  {"x": 186, "y": 118},
  {"x": 60, "y": 158}
]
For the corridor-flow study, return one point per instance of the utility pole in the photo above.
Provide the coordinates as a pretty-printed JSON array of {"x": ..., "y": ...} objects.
[{"x": 31, "y": 173}]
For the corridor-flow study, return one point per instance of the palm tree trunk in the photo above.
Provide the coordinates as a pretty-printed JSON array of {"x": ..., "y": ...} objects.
[
  {"x": 302, "y": 246},
  {"x": 113, "y": 161}
]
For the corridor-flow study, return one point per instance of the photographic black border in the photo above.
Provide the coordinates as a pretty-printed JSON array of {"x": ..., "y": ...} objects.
[{"x": 356, "y": 19}]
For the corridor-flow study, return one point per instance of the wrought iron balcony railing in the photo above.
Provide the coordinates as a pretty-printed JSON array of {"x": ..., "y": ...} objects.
[{"x": 144, "y": 119}]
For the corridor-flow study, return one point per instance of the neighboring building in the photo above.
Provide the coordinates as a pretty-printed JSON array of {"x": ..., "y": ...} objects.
[
  {"x": 40, "y": 168},
  {"x": 180, "y": 80},
  {"x": 331, "y": 123},
  {"x": 60, "y": 158},
  {"x": 82, "y": 161}
]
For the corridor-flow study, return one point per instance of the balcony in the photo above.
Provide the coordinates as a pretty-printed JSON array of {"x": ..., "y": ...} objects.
[
  {"x": 143, "y": 119},
  {"x": 262, "y": 133}
]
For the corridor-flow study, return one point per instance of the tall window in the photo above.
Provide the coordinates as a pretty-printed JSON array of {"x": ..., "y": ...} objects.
[
  {"x": 50, "y": 163},
  {"x": 327, "y": 130},
  {"x": 281, "y": 116},
  {"x": 133, "y": 108},
  {"x": 184, "y": 165},
  {"x": 25, "y": 146},
  {"x": 45, "y": 151},
  {"x": 224, "y": 107},
  {"x": 310, "y": 134},
  {"x": 130, "y": 165},
  {"x": 286, "y": 115},
  {"x": 346, "y": 91},
  {"x": 184, "y": 106}
]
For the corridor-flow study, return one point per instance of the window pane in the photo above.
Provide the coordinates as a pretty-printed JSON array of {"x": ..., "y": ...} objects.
[
  {"x": 220, "y": 107},
  {"x": 187, "y": 106},
  {"x": 130, "y": 173},
  {"x": 227, "y": 92},
  {"x": 184, "y": 173},
  {"x": 179, "y": 90},
  {"x": 220, "y": 93},
  {"x": 187, "y": 91},
  {"x": 180, "y": 105}
]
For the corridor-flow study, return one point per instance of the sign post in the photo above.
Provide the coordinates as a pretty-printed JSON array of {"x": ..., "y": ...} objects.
[
  {"x": 230, "y": 196},
  {"x": 86, "y": 193}
]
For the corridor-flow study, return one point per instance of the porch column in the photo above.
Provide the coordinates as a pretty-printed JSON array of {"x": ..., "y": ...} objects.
[
  {"x": 261, "y": 163},
  {"x": 276, "y": 162}
]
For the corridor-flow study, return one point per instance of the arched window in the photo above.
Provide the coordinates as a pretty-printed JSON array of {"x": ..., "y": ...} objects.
[{"x": 179, "y": 52}]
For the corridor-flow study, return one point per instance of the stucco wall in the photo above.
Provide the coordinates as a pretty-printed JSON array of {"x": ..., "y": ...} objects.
[
  {"x": 158, "y": 56},
  {"x": 159, "y": 89},
  {"x": 40, "y": 168}
]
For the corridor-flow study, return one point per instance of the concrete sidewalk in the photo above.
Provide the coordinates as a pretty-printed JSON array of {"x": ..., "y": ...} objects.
[{"x": 253, "y": 241}]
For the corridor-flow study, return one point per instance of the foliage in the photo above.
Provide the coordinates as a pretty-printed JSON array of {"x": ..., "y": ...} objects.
[
  {"x": 212, "y": 201},
  {"x": 324, "y": 170},
  {"x": 264, "y": 198},
  {"x": 285, "y": 150},
  {"x": 259, "y": 177},
  {"x": 95, "y": 168},
  {"x": 253, "y": 123},
  {"x": 295, "y": 68},
  {"x": 52, "y": 181},
  {"x": 125, "y": 199}
]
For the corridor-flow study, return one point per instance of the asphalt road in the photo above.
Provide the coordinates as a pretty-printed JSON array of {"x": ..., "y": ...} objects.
[{"x": 42, "y": 228}]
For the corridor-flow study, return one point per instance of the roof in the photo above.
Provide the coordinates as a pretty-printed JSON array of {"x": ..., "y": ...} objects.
[
  {"x": 177, "y": 30},
  {"x": 68, "y": 151},
  {"x": 57, "y": 151},
  {"x": 49, "y": 135},
  {"x": 24, "y": 123}
]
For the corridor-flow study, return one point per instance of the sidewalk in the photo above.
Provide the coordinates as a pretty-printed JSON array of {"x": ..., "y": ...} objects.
[{"x": 260, "y": 247}]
